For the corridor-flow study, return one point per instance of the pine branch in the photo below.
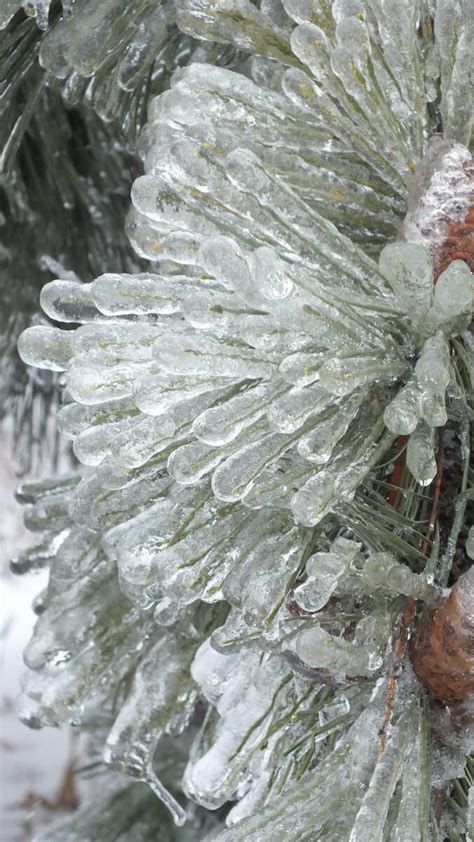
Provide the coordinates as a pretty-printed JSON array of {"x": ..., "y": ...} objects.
[{"x": 247, "y": 533}]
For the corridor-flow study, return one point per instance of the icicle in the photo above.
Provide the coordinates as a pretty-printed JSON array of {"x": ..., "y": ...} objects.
[{"x": 420, "y": 454}]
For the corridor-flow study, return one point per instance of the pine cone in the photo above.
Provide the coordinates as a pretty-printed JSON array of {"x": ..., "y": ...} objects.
[{"x": 443, "y": 652}]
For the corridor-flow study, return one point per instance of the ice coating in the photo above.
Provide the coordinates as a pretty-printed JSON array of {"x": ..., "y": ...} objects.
[
  {"x": 443, "y": 192},
  {"x": 215, "y": 774},
  {"x": 106, "y": 53},
  {"x": 45, "y": 347},
  {"x": 321, "y": 651},
  {"x": 152, "y": 364},
  {"x": 256, "y": 31},
  {"x": 410, "y": 269},
  {"x": 164, "y": 365},
  {"x": 261, "y": 721},
  {"x": 421, "y": 458},
  {"x": 345, "y": 570},
  {"x": 470, "y": 543},
  {"x": 230, "y": 410},
  {"x": 38, "y": 8},
  {"x": 324, "y": 571},
  {"x": 312, "y": 805},
  {"x": 161, "y": 702}
]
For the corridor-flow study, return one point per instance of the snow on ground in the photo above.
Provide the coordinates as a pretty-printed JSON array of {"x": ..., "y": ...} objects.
[{"x": 34, "y": 786}]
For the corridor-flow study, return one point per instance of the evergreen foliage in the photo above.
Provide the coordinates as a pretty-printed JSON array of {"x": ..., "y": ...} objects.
[
  {"x": 274, "y": 429},
  {"x": 71, "y": 108}
]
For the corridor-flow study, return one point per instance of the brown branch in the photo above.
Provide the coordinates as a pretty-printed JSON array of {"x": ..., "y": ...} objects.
[
  {"x": 397, "y": 472},
  {"x": 458, "y": 244},
  {"x": 401, "y": 636},
  {"x": 399, "y": 645}
]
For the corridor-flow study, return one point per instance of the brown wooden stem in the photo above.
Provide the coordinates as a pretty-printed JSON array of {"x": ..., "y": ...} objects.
[
  {"x": 397, "y": 472},
  {"x": 399, "y": 646}
]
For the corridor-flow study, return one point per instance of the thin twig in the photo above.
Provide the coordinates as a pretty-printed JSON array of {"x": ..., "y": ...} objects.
[
  {"x": 401, "y": 636},
  {"x": 397, "y": 472},
  {"x": 438, "y": 481},
  {"x": 399, "y": 645}
]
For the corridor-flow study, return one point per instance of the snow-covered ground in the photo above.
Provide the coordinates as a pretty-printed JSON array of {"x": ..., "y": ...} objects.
[{"x": 32, "y": 763}]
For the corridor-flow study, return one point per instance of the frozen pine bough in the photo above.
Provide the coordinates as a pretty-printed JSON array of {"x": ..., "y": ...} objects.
[
  {"x": 108, "y": 54},
  {"x": 259, "y": 544},
  {"x": 76, "y": 80}
]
